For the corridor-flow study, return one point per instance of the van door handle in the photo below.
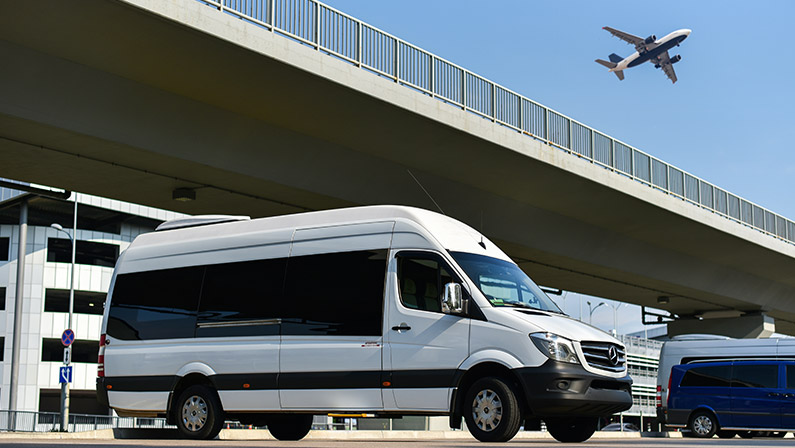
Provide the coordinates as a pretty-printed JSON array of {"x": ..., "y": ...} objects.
[
  {"x": 789, "y": 395},
  {"x": 773, "y": 394},
  {"x": 402, "y": 327}
]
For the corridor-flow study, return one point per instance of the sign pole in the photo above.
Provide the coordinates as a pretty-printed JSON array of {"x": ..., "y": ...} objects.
[{"x": 67, "y": 356}]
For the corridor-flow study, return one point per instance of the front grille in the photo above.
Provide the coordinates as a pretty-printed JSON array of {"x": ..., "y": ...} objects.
[{"x": 597, "y": 356}]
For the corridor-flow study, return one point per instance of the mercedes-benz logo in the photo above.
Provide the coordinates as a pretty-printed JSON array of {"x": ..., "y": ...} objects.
[{"x": 612, "y": 355}]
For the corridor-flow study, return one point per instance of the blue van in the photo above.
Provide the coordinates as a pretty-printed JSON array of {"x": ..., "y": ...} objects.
[{"x": 747, "y": 397}]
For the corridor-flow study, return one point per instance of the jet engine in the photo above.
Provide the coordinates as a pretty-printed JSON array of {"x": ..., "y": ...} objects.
[
  {"x": 676, "y": 59},
  {"x": 650, "y": 39}
]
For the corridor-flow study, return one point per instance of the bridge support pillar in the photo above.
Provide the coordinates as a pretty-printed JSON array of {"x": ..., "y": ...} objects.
[{"x": 747, "y": 326}]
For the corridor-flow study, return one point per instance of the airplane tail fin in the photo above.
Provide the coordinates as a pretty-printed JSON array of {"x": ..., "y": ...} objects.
[
  {"x": 612, "y": 65},
  {"x": 615, "y": 58},
  {"x": 606, "y": 64}
]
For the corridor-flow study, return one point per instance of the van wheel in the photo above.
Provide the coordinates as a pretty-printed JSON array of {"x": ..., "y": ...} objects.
[
  {"x": 703, "y": 424},
  {"x": 491, "y": 410},
  {"x": 573, "y": 429},
  {"x": 199, "y": 414},
  {"x": 290, "y": 426}
]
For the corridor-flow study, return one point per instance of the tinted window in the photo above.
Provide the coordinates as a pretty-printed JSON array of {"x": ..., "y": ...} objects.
[
  {"x": 238, "y": 297},
  {"x": 749, "y": 375},
  {"x": 59, "y": 250},
  {"x": 421, "y": 279},
  {"x": 790, "y": 377},
  {"x": 82, "y": 351},
  {"x": 4, "y": 249},
  {"x": 155, "y": 304},
  {"x": 86, "y": 302},
  {"x": 2, "y": 298},
  {"x": 707, "y": 376},
  {"x": 335, "y": 294}
]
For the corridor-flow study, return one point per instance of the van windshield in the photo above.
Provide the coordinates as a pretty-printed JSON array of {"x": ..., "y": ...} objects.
[{"x": 503, "y": 283}]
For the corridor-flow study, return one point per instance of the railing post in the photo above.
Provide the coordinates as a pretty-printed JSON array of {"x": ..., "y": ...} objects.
[
  {"x": 463, "y": 89},
  {"x": 272, "y": 13},
  {"x": 571, "y": 145},
  {"x": 493, "y": 102},
  {"x": 651, "y": 172},
  {"x": 632, "y": 162},
  {"x": 667, "y": 178},
  {"x": 546, "y": 124},
  {"x": 613, "y": 155},
  {"x": 521, "y": 114},
  {"x": 358, "y": 43},
  {"x": 432, "y": 81},
  {"x": 397, "y": 60},
  {"x": 317, "y": 24}
]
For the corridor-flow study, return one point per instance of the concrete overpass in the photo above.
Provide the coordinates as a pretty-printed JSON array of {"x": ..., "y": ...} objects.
[{"x": 135, "y": 99}]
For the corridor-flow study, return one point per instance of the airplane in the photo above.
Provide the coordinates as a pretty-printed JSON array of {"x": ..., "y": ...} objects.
[{"x": 649, "y": 49}]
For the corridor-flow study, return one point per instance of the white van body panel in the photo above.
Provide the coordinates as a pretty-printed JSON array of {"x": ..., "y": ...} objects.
[{"x": 139, "y": 401}]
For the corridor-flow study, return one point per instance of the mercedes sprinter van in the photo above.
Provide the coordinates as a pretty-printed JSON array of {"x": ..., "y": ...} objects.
[{"x": 382, "y": 310}]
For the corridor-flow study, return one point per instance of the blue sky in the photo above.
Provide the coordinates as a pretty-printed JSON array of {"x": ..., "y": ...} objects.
[{"x": 730, "y": 119}]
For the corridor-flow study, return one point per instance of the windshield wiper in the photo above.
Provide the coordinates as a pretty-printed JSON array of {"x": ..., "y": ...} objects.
[{"x": 524, "y": 305}]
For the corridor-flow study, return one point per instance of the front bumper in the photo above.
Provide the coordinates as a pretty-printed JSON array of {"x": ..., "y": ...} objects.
[{"x": 557, "y": 389}]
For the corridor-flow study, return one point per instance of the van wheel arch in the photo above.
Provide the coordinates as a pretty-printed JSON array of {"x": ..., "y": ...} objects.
[
  {"x": 191, "y": 379},
  {"x": 476, "y": 372}
]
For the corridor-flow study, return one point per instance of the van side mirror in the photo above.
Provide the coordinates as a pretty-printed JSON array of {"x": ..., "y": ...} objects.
[{"x": 453, "y": 300}]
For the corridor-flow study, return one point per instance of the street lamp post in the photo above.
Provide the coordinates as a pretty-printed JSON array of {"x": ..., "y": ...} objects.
[
  {"x": 593, "y": 308},
  {"x": 68, "y": 350},
  {"x": 615, "y": 316}
]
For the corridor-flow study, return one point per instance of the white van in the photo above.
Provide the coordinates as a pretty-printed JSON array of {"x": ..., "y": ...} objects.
[
  {"x": 687, "y": 349},
  {"x": 382, "y": 310}
]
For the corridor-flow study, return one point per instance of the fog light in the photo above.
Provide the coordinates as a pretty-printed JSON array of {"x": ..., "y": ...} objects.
[{"x": 563, "y": 385}]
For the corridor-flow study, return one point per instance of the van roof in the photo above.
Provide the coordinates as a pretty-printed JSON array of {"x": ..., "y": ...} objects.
[{"x": 450, "y": 233}]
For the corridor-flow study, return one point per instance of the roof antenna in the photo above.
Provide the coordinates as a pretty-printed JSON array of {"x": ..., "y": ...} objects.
[
  {"x": 482, "y": 244},
  {"x": 426, "y": 191}
]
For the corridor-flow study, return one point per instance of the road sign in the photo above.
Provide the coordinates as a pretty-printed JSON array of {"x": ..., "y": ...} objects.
[
  {"x": 67, "y": 337},
  {"x": 67, "y": 355},
  {"x": 65, "y": 374}
]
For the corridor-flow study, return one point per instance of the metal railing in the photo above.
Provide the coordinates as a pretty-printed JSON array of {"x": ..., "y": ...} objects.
[
  {"x": 30, "y": 421},
  {"x": 337, "y": 34}
]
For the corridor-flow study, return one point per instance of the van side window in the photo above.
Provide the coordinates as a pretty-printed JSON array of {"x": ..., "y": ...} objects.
[
  {"x": 791, "y": 377},
  {"x": 751, "y": 375},
  {"x": 238, "y": 298},
  {"x": 335, "y": 294},
  {"x": 421, "y": 280},
  {"x": 707, "y": 376},
  {"x": 155, "y": 304}
]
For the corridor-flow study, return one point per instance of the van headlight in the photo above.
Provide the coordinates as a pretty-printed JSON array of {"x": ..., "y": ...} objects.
[{"x": 555, "y": 347}]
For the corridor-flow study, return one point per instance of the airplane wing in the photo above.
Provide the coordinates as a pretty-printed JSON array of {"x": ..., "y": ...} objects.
[
  {"x": 626, "y": 37},
  {"x": 664, "y": 61}
]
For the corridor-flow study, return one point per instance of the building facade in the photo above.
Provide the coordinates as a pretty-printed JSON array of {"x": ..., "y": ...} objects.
[{"x": 104, "y": 228}]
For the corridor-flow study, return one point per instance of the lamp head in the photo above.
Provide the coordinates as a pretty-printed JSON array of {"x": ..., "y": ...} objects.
[{"x": 56, "y": 226}]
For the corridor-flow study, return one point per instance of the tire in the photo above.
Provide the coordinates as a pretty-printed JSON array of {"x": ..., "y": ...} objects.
[
  {"x": 726, "y": 434},
  {"x": 198, "y": 413},
  {"x": 491, "y": 410},
  {"x": 290, "y": 426},
  {"x": 573, "y": 429},
  {"x": 703, "y": 424}
]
